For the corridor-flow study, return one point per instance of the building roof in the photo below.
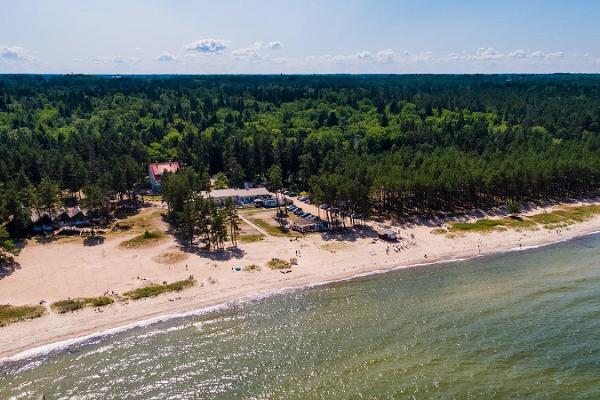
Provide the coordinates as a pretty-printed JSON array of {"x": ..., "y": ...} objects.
[
  {"x": 304, "y": 222},
  {"x": 223, "y": 193},
  {"x": 157, "y": 169}
]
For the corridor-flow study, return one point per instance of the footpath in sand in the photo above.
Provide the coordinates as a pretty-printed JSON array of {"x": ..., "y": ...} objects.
[{"x": 68, "y": 268}]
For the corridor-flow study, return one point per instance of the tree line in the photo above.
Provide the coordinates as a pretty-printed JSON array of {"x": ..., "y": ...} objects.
[{"x": 403, "y": 145}]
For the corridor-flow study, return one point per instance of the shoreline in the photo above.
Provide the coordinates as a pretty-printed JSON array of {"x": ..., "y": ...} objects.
[{"x": 32, "y": 338}]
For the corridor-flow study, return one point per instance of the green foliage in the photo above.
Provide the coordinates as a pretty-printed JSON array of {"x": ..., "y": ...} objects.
[
  {"x": 155, "y": 290},
  {"x": 70, "y": 305},
  {"x": 10, "y": 314},
  {"x": 481, "y": 225},
  {"x": 145, "y": 239},
  {"x": 513, "y": 208},
  {"x": 221, "y": 181},
  {"x": 385, "y": 144},
  {"x": 277, "y": 263}
]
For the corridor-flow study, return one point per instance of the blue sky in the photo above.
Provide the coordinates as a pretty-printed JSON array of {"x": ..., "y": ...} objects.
[{"x": 428, "y": 36}]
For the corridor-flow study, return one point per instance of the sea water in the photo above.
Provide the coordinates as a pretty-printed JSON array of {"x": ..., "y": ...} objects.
[{"x": 518, "y": 325}]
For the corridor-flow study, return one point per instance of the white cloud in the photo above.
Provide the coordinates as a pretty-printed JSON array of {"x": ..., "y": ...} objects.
[
  {"x": 98, "y": 60},
  {"x": 14, "y": 53},
  {"x": 275, "y": 45},
  {"x": 166, "y": 57},
  {"x": 207, "y": 46},
  {"x": 250, "y": 52},
  {"x": 121, "y": 60},
  {"x": 487, "y": 53},
  {"x": 519, "y": 53},
  {"x": 364, "y": 55},
  {"x": 386, "y": 56}
]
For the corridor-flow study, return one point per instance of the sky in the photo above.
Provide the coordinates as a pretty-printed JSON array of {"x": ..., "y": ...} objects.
[{"x": 303, "y": 36}]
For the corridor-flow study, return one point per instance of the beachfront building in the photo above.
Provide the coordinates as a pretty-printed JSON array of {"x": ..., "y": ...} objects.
[
  {"x": 156, "y": 171},
  {"x": 44, "y": 222},
  {"x": 238, "y": 196}
]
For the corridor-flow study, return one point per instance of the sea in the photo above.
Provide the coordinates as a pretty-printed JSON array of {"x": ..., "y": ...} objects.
[{"x": 518, "y": 325}]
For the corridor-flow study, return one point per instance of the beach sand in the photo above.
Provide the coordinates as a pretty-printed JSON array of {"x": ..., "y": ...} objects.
[{"x": 69, "y": 269}]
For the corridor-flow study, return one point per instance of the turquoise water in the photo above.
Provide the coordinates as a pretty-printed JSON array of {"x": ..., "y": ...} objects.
[{"x": 519, "y": 325}]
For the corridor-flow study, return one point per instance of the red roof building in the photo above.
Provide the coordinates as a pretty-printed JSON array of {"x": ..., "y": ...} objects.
[{"x": 156, "y": 171}]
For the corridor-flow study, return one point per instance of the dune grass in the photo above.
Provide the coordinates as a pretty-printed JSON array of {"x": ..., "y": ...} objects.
[
  {"x": 251, "y": 268},
  {"x": 145, "y": 239},
  {"x": 481, "y": 225},
  {"x": 155, "y": 289},
  {"x": 10, "y": 314},
  {"x": 252, "y": 238},
  {"x": 566, "y": 216},
  {"x": 70, "y": 305},
  {"x": 277, "y": 263},
  {"x": 170, "y": 257},
  {"x": 559, "y": 218}
]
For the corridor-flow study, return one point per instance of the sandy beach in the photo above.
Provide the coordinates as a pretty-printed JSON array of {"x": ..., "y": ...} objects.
[{"x": 68, "y": 268}]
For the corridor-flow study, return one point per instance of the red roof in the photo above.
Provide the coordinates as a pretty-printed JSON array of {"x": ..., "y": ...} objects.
[{"x": 157, "y": 169}]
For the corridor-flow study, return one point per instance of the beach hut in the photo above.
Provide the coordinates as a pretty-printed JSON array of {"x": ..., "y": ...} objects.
[
  {"x": 42, "y": 223},
  {"x": 78, "y": 217},
  {"x": 62, "y": 218}
]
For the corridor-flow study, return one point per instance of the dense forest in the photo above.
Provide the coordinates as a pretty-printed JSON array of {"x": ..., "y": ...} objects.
[{"x": 370, "y": 143}]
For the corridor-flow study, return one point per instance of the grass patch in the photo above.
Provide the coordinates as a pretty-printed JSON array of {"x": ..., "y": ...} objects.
[
  {"x": 251, "y": 268},
  {"x": 10, "y": 314},
  {"x": 145, "y": 221},
  {"x": 154, "y": 289},
  {"x": 145, "y": 239},
  {"x": 277, "y": 263},
  {"x": 517, "y": 223},
  {"x": 251, "y": 238},
  {"x": 481, "y": 225},
  {"x": 170, "y": 257},
  {"x": 70, "y": 305},
  {"x": 549, "y": 218},
  {"x": 272, "y": 229},
  {"x": 439, "y": 231},
  {"x": 334, "y": 246}
]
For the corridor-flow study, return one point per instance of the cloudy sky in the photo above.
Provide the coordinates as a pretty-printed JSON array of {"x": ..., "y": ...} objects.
[{"x": 303, "y": 36}]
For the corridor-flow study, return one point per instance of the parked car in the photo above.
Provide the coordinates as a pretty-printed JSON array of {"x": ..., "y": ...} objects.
[
  {"x": 292, "y": 194},
  {"x": 323, "y": 206},
  {"x": 301, "y": 198},
  {"x": 298, "y": 211},
  {"x": 291, "y": 208}
]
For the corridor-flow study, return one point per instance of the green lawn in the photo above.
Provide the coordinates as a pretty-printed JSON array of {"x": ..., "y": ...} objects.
[{"x": 272, "y": 229}]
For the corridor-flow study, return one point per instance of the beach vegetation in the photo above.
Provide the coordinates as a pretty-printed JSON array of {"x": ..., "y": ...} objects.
[
  {"x": 145, "y": 239},
  {"x": 70, "y": 305},
  {"x": 277, "y": 263},
  {"x": 10, "y": 314},
  {"x": 157, "y": 289},
  {"x": 251, "y": 268},
  {"x": 251, "y": 238}
]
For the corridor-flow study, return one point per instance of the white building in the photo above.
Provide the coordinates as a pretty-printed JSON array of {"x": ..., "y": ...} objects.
[{"x": 238, "y": 196}]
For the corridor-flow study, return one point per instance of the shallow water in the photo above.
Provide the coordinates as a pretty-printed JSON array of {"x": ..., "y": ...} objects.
[{"x": 519, "y": 325}]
